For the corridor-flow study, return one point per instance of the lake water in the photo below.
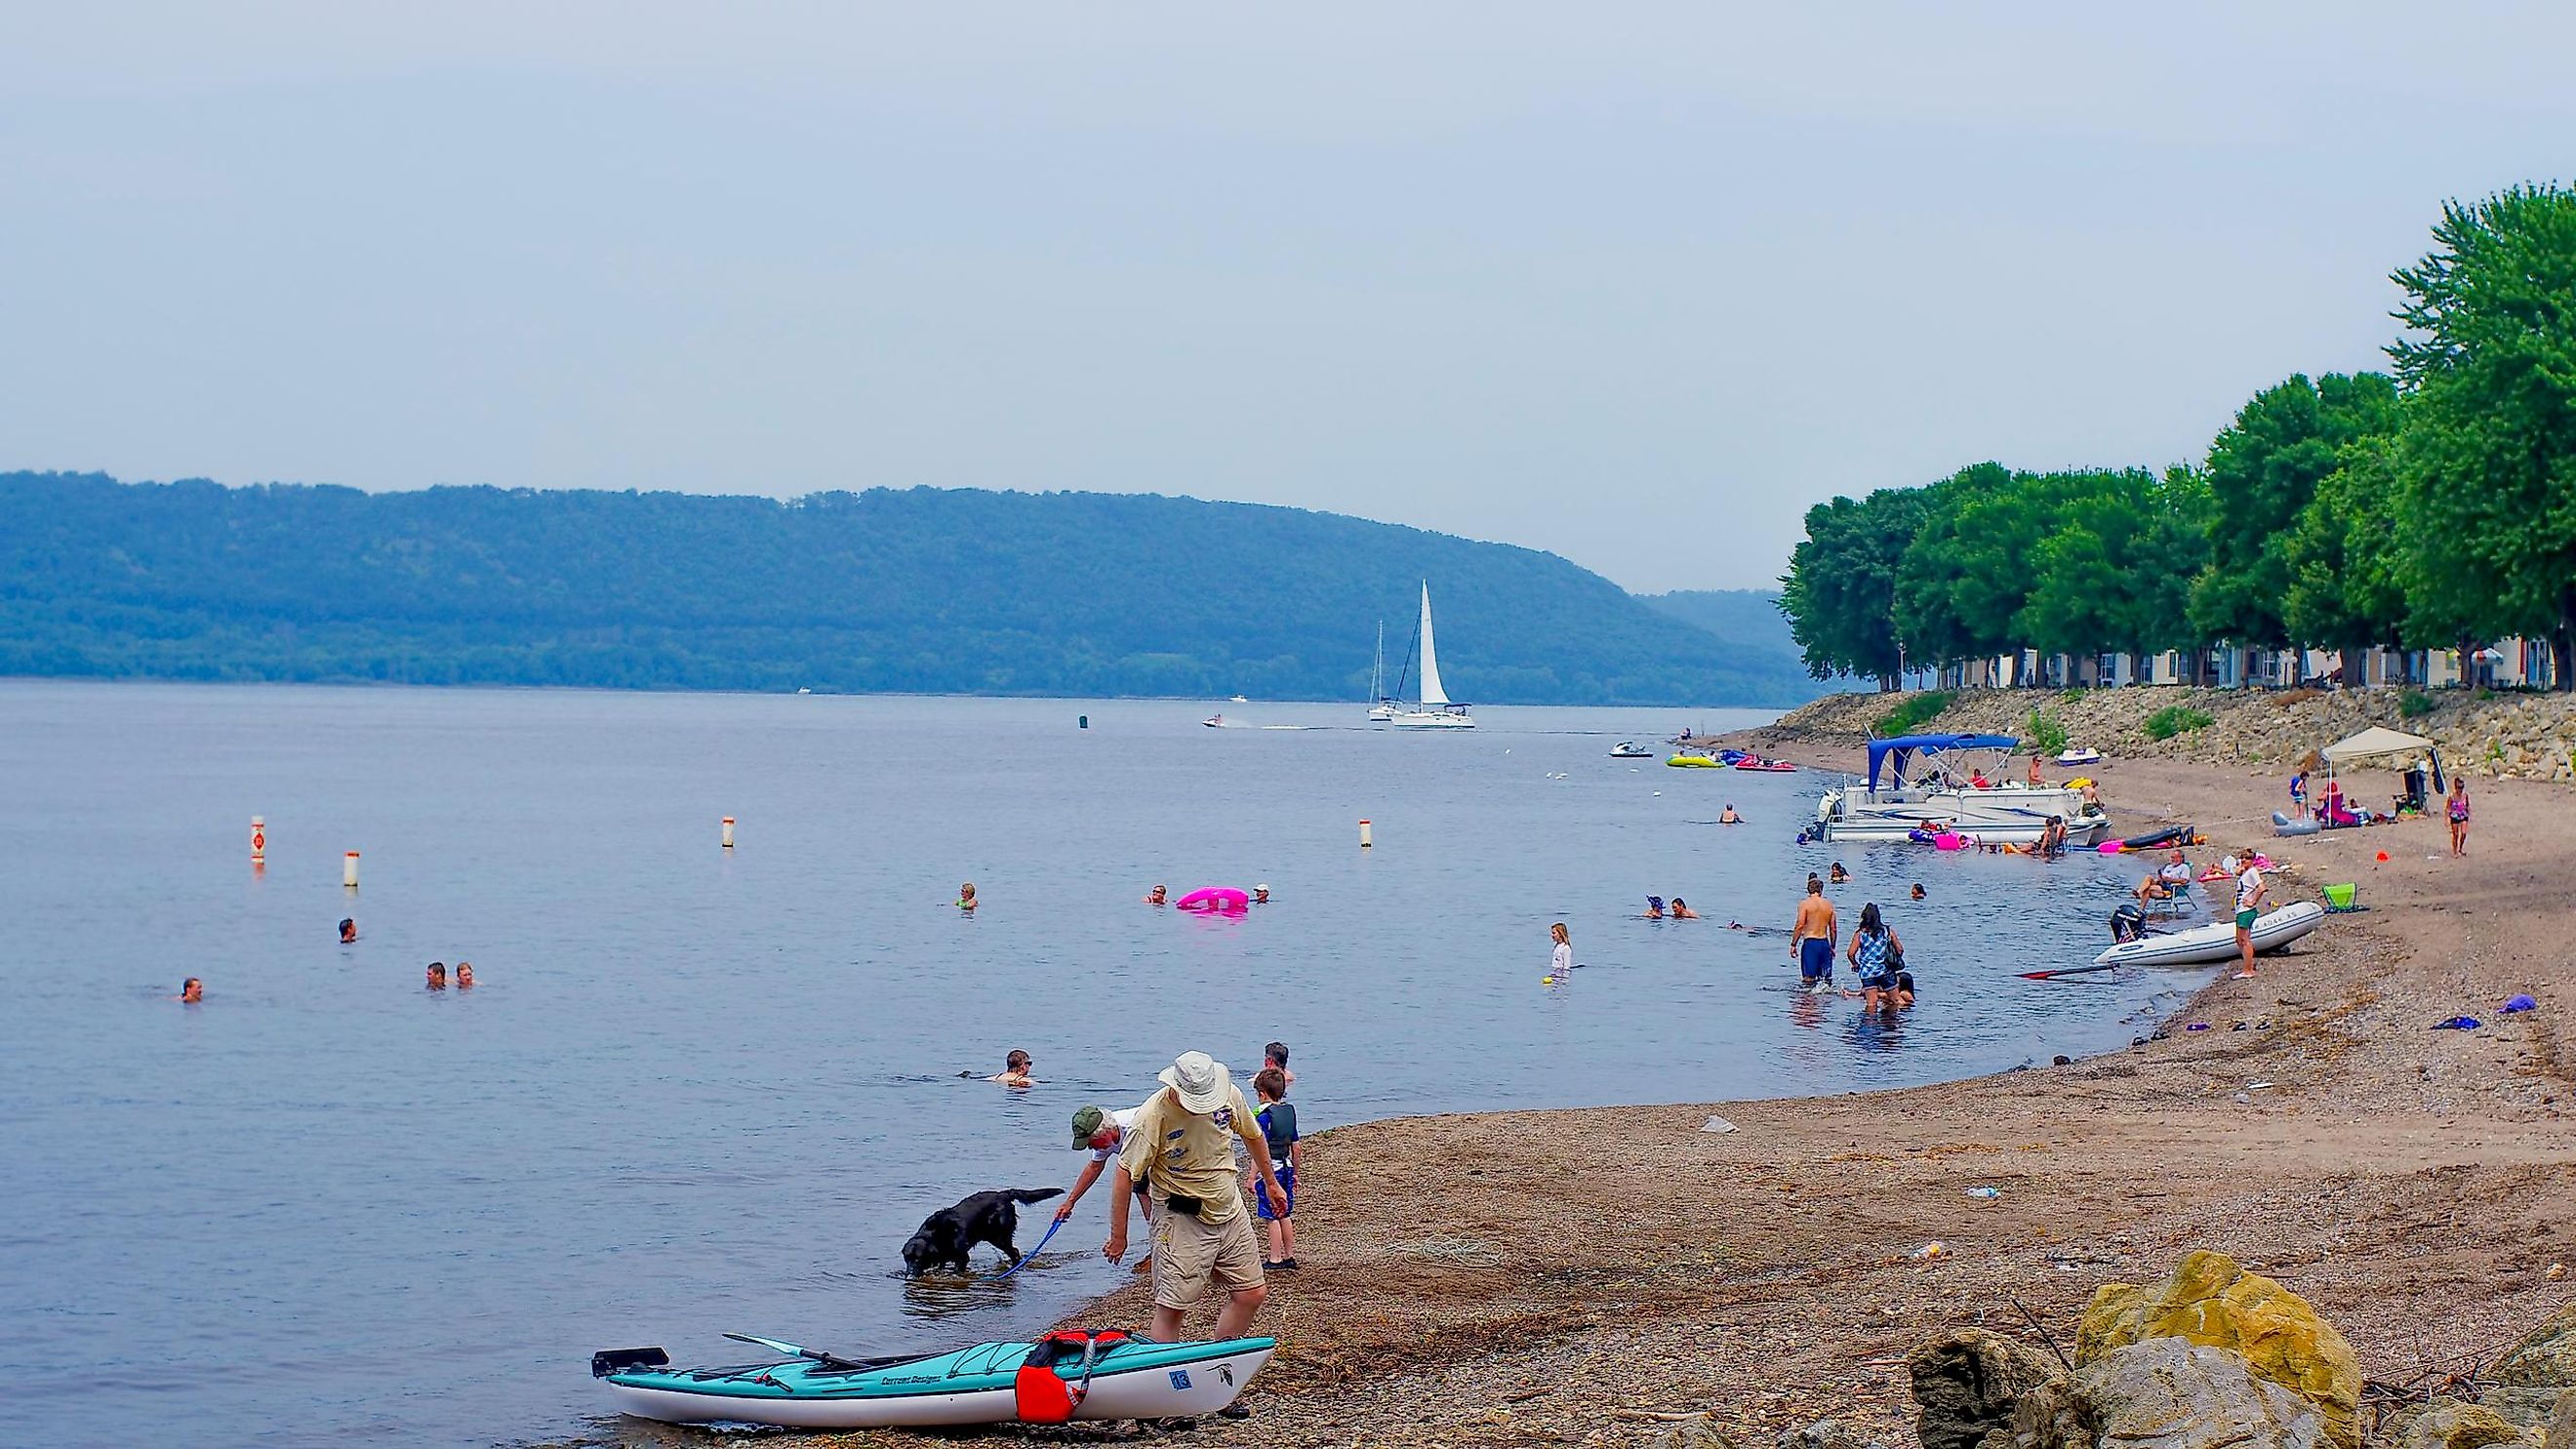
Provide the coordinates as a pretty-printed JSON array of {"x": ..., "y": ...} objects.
[{"x": 700, "y": 1090}]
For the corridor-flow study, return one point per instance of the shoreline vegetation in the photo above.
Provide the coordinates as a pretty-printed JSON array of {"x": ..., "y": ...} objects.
[
  {"x": 1621, "y": 1276},
  {"x": 2419, "y": 509}
]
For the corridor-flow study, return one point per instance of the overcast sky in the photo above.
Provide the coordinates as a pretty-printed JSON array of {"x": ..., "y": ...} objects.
[{"x": 1634, "y": 284}]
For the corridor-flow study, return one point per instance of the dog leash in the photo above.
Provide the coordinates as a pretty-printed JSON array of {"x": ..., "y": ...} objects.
[{"x": 1033, "y": 1252}]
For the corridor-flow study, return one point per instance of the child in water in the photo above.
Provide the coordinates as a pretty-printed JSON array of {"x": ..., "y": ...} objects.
[
  {"x": 1654, "y": 908},
  {"x": 966, "y": 897}
]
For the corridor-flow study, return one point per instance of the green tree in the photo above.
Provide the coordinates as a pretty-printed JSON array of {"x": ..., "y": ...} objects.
[
  {"x": 2263, "y": 471},
  {"x": 1839, "y": 592},
  {"x": 2488, "y": 458},
  {"x": 2347, "y": 580},
  {"x": 1937, "y": 611}
]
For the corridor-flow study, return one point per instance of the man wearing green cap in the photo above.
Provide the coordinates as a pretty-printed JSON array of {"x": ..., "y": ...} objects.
[
  {"x": 1181, "y": 1147},
  {"x": 1103, "y": 1133}
]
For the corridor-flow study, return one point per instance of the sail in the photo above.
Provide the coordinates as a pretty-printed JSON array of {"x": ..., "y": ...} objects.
[{"x": 1431, "y": 691}]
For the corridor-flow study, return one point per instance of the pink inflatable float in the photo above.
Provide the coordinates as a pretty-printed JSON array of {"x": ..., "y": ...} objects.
[{"x": 1214, "y": 898}]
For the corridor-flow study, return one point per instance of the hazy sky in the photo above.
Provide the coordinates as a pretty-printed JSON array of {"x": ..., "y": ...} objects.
[{"x": 1634, "y": 284}]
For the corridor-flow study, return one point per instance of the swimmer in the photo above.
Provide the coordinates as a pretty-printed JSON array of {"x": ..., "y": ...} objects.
[
  {"x": 1728, "y": 816},
  {"x": 1839, "y": 875},
  {"x": 1682, "y": 910},
  {"x": 192, "y": 991},
  {"x": 437, "y": 976},
  {"x": 1918, "y": 890},
  {"x": 348, "y": 929},
  {"x": 1560, "y": 960},
  {"x": 1276, "y": 1055},
  {"x": 1901, "y": 995},
  {"x": 966, "y": 897},
  {"x": 1156, "y": 896},
  {"x": 464, "y": 975},
  {"x": 1654, "y": 908},
  {"x": 1015, "y": 1070},
  {"x": 1261, "y": 894}
]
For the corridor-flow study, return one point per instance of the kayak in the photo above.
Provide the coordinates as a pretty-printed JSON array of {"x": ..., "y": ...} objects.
[
  {"x": 2203, "y": 945},
  {"x": 1776, "y": 767},
  {"x": 2176, "y": 835},
  {"x": 1056, "y": 1379}
]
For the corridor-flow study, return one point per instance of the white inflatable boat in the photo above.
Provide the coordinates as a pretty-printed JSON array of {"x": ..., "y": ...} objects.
[{"x": 2203, "y": 945}]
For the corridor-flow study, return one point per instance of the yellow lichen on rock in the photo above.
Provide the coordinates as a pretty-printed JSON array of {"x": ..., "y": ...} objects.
[{"x": 2209, "y": 1300}]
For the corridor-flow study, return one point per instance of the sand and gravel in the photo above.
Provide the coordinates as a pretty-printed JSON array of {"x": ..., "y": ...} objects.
[{"x": 1589, "y": 1277}]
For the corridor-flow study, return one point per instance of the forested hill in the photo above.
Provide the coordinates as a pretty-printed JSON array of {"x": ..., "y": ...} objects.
[
  {"x": 1749, "y": 619},
  {"x": 924, "y": 590}
]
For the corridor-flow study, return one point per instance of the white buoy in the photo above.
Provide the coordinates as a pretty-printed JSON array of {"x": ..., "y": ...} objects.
[
  {"x": 728, "y": 832},
  {"x": 1365, "y": 842},
  {"x": 349, "y": 870},
  {"x": 258, "y": 839}
]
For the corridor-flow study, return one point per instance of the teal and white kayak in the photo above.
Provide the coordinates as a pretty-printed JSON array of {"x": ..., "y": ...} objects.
[{"x": 984, "y": 1384}]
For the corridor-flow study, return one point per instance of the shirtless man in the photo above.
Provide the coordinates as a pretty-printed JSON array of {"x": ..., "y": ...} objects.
[{"x": 1813, "y": 937}]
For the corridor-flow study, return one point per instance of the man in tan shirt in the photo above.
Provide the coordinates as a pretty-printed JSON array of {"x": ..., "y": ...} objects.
[{"x": 1182, "y": 1148}]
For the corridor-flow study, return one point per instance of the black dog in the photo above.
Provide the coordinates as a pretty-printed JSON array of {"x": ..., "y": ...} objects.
[{"x": 985, "y": 1217}]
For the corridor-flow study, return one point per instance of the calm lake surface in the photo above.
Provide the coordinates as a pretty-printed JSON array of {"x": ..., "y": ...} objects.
[{"x": 699, "y": 1090}]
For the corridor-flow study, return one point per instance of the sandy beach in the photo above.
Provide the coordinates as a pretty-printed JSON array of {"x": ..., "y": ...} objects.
[{"x": 1594, "y": 1277}]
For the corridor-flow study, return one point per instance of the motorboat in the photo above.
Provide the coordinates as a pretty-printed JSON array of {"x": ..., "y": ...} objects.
[
  {"x": 1214, "y": 721},
  {"x": 2072, "y": 757},
  {"x": 2216, "y": 941},
  {"x": 1913, "y": 785},
  {"x": 1630, "y": 750}
]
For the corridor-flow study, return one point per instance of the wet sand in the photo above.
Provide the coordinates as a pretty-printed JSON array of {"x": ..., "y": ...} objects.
[{"x": 1589, "y": 1277}]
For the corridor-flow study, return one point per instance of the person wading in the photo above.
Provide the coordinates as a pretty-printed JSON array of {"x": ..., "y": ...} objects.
[
  {"x": 1182, "y": 1149},
  {"x": 1811, "y": 939}
]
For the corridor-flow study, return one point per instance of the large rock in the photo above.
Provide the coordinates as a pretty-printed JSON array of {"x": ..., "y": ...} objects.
[
  {"x": 2562, "y": 1420},
  {"x": 1966, "y": 1383},
  {"x": 2167, "y": 1393},
  {"x": 2214, "y": 1303},
  {"x": 2462, "y": 1426},
  {"x": 2546, "y": 1357}
]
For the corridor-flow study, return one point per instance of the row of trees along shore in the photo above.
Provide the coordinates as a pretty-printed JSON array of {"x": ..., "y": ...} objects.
[{"x": 2430, "y": 507}]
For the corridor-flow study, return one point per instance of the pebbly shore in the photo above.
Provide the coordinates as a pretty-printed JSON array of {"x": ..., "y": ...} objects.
[{"x": 1625, "y": 1276}]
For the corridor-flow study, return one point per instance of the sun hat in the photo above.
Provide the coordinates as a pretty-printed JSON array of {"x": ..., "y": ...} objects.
[
  {"x": 1200, "y": 1079},
  {"x": 1264, "y": 887},
  {"x": 1086, "y": 1125}
]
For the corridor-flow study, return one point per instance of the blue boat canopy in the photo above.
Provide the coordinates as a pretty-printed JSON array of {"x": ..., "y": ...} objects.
[{"x": 1904, "y": 746}]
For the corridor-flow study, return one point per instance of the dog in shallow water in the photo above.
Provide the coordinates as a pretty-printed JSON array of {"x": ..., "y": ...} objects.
[{"x": 984, "y": 1217}]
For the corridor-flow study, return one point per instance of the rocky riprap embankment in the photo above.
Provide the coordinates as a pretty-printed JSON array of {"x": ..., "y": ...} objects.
[
  {"x": 2214, "y": 1357},
  {"x": 2527, "y": 735}
]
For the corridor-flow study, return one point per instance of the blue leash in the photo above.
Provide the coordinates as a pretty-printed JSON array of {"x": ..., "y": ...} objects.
[{"x": 1033, "y": 1252}]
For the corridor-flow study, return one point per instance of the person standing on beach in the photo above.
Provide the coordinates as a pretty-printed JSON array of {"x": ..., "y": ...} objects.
[
  {"x": 2249, "y": 904},
  {"x": 1182, "y": 1148},
  {"x": 1812, "y": 938},
  {"x": 1278, "y": 1118},
  {"x": 2459, "y": 812}
]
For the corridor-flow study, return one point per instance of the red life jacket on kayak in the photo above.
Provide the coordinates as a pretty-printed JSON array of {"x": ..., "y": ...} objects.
[{"x": 1043, "y": 1395}]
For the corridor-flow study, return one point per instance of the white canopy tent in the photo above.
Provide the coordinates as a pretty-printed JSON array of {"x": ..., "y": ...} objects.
[
  {"x": 2397, "y": 750},
  {"x": 2375, "y": 744}
]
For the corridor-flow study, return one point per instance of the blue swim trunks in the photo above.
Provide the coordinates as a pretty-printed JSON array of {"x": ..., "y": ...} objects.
[
  {"x": 1261, "y": 1206},
  {"x": 1816, "y": 959}
]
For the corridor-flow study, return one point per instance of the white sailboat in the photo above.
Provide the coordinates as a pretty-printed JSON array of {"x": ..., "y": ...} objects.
[
  {"x": 1433, "y": 710},
  {"x": 1384, "y": 709}
]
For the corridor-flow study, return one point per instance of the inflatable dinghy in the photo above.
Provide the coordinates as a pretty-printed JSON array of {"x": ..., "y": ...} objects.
[
  {"x": 1061, "y": 1377},
  {"x": 2204, "y": 945}
]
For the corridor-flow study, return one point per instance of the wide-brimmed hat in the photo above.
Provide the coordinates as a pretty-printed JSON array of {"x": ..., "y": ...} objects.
[{"x": 1200, "y": 1080}]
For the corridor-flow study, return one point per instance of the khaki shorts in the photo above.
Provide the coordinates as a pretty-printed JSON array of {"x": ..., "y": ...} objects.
[{"x": 1189, "y": 1255}]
